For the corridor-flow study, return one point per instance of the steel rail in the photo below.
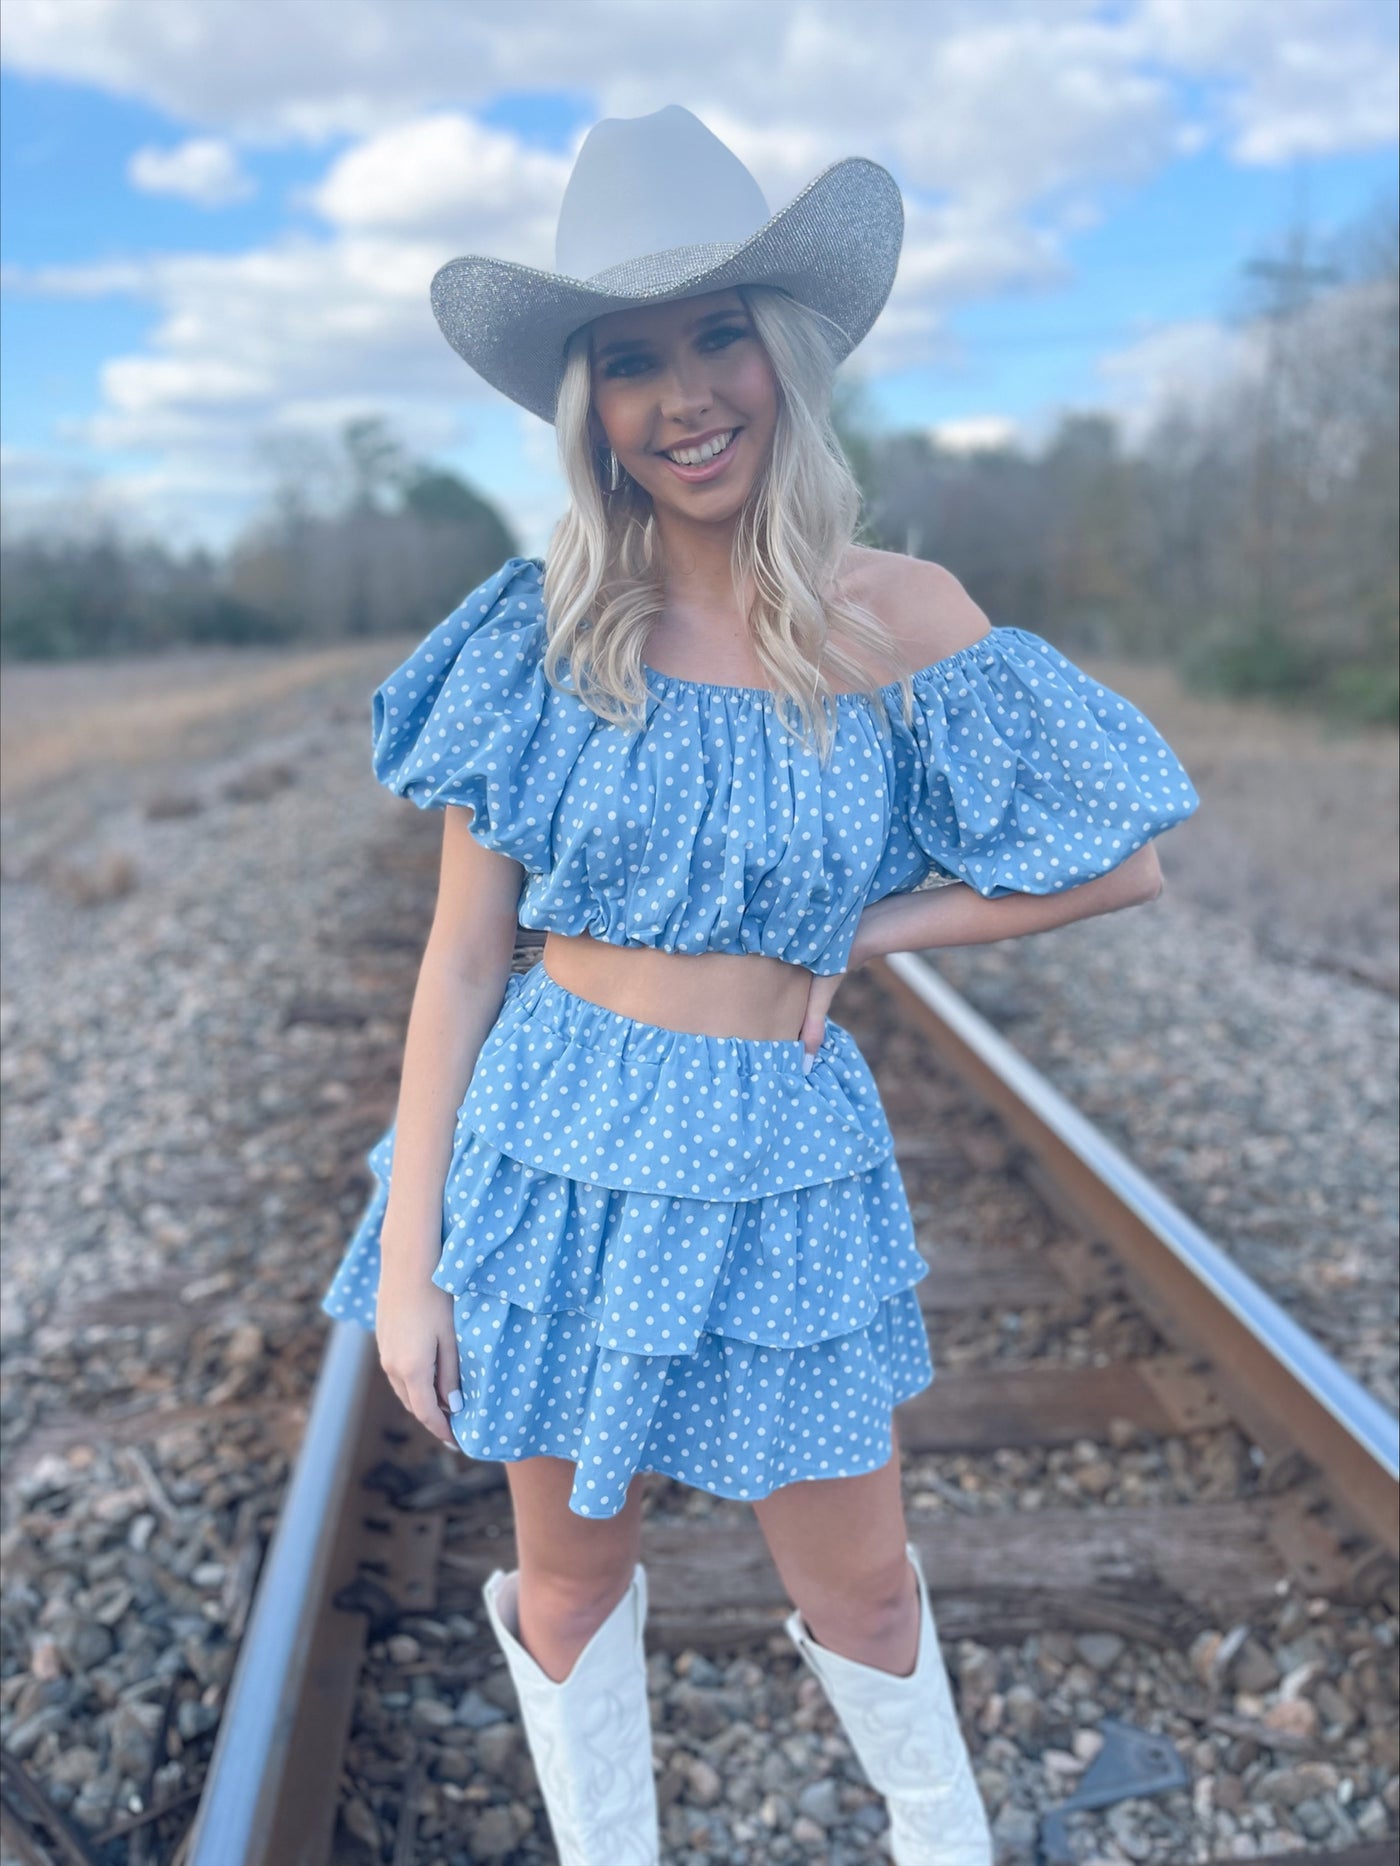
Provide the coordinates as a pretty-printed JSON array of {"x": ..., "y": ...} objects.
[
  {"x": 1270, "y": 1370},
  {"x": 284, "y": 1725},
  {"x": 255, "y": 1805}
]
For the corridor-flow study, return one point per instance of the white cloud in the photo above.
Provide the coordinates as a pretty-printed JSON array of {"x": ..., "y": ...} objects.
[
  {"x": 972, "y": 434},
  {"x": 247, "y": 340},
  {"x": 943, "y": 82},
  {"x": 448, "y": 176},
  {"x": 204, "y": 170},
  {"x": 1313, "y": 78},
  {"x": 1007, "y": 129}
]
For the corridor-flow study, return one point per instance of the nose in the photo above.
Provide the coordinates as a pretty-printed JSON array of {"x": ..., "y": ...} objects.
[{"x": 685, "y": 390}]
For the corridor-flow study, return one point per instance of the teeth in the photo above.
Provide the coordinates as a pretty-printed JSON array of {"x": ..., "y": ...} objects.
[{"x": 697, "y": 456}]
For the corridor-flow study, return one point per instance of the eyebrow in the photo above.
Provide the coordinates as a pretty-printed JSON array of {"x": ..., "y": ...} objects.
[{"x": 634, "y": 343}]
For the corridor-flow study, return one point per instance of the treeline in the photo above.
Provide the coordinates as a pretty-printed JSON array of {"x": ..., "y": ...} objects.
[
  {"x": 359, "y": 539},
  {"x": 1249, "y": 537}
]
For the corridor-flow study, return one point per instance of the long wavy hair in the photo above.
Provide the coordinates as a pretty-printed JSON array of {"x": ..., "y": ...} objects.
[{"x": 604, "y": 570}]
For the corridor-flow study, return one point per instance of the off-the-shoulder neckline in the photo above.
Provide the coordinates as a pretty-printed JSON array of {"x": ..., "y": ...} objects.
[{"x": 945, "y": 664}]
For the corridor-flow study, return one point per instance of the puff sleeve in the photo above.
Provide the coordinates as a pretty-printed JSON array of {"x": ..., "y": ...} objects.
[
  {"x": 1021, "y": 774},
  {"x": 467, "y": 718}
]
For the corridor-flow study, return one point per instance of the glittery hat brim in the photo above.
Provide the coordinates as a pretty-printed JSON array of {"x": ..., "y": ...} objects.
[{"x": 834, "y": 247}]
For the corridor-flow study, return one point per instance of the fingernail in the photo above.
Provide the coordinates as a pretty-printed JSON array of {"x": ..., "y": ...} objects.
[
  {"x": 455, "y": 1400},
  {"x": 807, "y": 1060}
]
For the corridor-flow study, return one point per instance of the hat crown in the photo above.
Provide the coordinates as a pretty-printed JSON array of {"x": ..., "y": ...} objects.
[{"x": 644, "y": 185}]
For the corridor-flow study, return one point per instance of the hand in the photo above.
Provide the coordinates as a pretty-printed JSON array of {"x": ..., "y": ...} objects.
[
  {"x": 823, "y": 990},
  {"x": 418, "y": 1348}
]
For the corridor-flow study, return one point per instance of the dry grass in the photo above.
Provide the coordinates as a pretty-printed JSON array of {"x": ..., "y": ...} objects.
[
  {"x": 58, "y": 719},
  {"x": 1298, "y": 833}
]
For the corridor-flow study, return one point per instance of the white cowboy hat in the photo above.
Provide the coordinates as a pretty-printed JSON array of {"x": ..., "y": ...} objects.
[{"x": 656, "y": 208}]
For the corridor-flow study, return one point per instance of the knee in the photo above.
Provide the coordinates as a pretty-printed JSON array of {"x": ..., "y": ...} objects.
[
  {"x": 870, "y": 1601},
  {"x": 572, "y": 1602}
]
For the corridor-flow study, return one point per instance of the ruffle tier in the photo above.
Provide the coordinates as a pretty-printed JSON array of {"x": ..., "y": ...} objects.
[
  {"x": 736, "y": 1342},
  {"x": 573, "y": 1088}
]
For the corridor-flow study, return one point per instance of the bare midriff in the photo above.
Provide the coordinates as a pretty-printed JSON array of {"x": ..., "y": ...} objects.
[{"x": 711, "y": 994}]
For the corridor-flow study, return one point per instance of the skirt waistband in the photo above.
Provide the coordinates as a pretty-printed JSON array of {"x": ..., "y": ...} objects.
[
  {"x": 577, "y": 1089},
  {"x": 634, "y": 1039}
]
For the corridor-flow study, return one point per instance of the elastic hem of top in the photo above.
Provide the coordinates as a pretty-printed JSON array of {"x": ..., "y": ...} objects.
[{"x": 539, "y": 982}]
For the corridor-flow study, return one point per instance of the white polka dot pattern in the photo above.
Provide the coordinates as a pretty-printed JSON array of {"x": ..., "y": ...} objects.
[
  {"x": 671, "y": 1252},
  {"x": 567, "y": 1086},
  {"x": 732, "y": 1336},
  {"x": 714, "y": 830}
]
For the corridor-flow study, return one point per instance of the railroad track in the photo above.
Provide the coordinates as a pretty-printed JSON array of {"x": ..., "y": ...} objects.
[{"x": 1141, "y": 1332}]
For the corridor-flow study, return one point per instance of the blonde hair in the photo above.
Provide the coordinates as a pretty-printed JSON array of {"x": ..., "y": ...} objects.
[{"x": 604, "y": 572}]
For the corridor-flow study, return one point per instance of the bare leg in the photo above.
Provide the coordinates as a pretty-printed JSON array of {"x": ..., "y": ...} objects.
[
  {"x": 838, "y": 1545},
  {"x": 573, "y": 1569}
]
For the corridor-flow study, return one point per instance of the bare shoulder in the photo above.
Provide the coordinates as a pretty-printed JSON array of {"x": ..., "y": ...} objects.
[{"x": 925, "y": 608}]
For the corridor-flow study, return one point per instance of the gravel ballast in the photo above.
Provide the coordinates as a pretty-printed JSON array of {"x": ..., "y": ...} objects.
[{"x": 209, "y": 951}]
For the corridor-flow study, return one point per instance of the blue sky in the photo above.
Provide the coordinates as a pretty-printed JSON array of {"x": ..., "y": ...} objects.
[{"x": 208, "y": 242}]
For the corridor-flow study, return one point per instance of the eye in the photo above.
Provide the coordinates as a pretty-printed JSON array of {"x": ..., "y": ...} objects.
[
  {"x": 629, "y": 364},
  {"x": 725, "y": 334}
]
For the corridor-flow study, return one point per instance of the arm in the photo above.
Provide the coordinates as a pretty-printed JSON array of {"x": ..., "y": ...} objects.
[
  {"x": 461, "y": 982},
  {"x": 958, "y": 915}
]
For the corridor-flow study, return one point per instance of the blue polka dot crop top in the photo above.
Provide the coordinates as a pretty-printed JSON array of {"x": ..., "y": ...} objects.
[{"x": 714, "y": 829}]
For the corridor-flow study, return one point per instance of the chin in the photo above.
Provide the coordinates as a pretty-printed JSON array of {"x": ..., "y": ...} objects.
[{"x": 706, "y": 512}]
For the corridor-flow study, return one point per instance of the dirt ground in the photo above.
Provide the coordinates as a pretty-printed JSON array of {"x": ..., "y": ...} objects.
[{"x": 1298, "y": 833}]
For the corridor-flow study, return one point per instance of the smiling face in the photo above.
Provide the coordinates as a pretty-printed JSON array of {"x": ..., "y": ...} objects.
[{"x": 686, "y": 397}]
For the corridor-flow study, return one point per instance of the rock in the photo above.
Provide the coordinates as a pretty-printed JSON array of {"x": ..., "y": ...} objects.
[
  {"x": 1372, "y": 1820},
  {"x": 1229, "y": 1793},
  {"x": 1295, "y": 1717},
  {"x": 46, "y": 1660},
  {"x": 698, "y": 1670},
  {"x": 493, "y": 1834},
  {"x": 72, "y": 1767},
  {"x": 775, "y": 1811},
  {"x": 1126, "y": 1824},
  {"x": 132, "y": 1731},
  {"x": 497, "y": 1744},
  {"x": 1096, "y": 1478},
  {"x": 1315, "y": 1819},
  {"x": 818, "y": 1802},
  {"x": 476, "y": 1712},
  {"x": 1100, "y": 1650},
  {"x": 706, "y": 1784},
  {"x": 193, "y": 1718},
  {"x": 1014, "y": 1830},
  {"x": 1202, "y": 1655},
  {"x": 360, "y": 1821},
  {"x": 1253, "y": 1670},
  {"x": 1024, "y": 1710},
  {"x": 1335, "y": 1711},
  {"x": 1286, "y": 1787},
  {"x": 976, "y": 1673}
]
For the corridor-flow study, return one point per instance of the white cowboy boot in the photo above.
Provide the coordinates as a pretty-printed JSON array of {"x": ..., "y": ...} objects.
[
  {"x": 905, "y": 1734},
  {"x": 590, "y": 1733}
]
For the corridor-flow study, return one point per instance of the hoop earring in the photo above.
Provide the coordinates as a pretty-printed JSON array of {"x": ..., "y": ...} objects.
[{"x": 614, "y": 471}]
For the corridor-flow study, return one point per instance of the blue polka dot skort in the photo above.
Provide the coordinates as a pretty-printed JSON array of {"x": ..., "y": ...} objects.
[{"x": 667, "y": 1252}]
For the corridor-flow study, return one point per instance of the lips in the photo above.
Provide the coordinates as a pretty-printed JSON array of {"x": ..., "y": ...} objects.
[
  {"x": 704, "y": 469},
  {"x": 704, "y": 447}
]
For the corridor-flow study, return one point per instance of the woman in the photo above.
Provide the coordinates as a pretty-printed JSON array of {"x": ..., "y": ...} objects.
[{"x": 644, "y": 1213}]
